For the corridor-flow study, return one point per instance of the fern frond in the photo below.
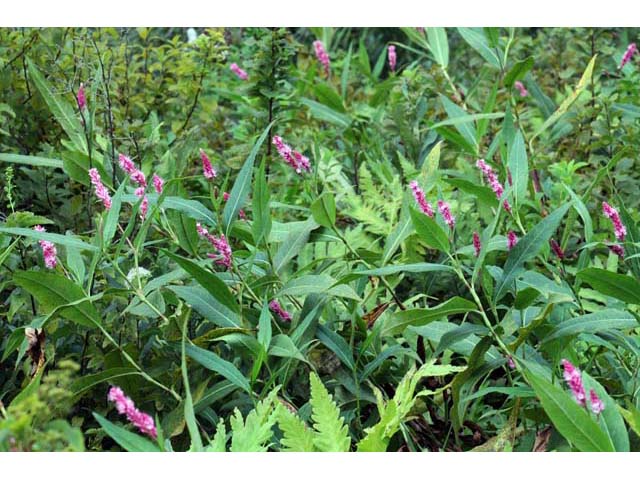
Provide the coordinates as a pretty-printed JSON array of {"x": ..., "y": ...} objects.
[
  {"x": 297, "y": 436},
  {"x": 219, "y": 442},
  {"x": 254, "y": 433},
  {"x": 332, "y": 434}
]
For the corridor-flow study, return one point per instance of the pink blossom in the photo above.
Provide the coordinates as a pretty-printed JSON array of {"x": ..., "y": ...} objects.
[
  {"x": 512, "y": 239},
  {"x": 476, "y": 243},
  {"x": 445, "y": 211},
  {"x": 144, "y": 207},
  {"x": 158, "y": 183},
  {"x": 126, "y": 164},
  {"x": 557, "y": 249},
  {"x": 125, "y": 406},
  {"x": 49, "y": 251},
  {"x": 631, "y": 50},
  {"x": 101, "y": 191},
  {"x": 421, "y": 200},
  {"x": 81, "y": 97},
  {"x": 511, "y": 363},
  {"x": 139, "y": 192},
  {"x": 597, "y": 405},
  {"x": 322, "y": 56},
  {"x": 617, "y": 249},
  {"x": 493, "y": 181},
  {"x": 224, "y": 256},
  {"x": 139, "y": 178},
  {"x": 520, "y": 87},
  {"x": 391, "y": 53},
  {"x": 240, "y": 73},
  {"x": 618, "y": 227},
  {"x": 574, "y": 379},
  {"x": 294, "y": 158},
  {"x": 276, "y": 308},
  {"x": 207, "y": 170}
]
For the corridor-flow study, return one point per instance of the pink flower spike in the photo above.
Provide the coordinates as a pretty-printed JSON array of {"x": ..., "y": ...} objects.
[
  {"x": 276, "y": 308},
  {"x": 49, "y": 251},
  {"x": 81, "y": 98},
  {"x": 158, "y": 184},
  {"x": 294, "y": 158},
  {"x": 139, "y": 192},
  {"x": 302, "y": 161},
  {"x": 101, "y": 191},
  {"x": 240, "y": 73},
  {"x": 512, "y": 239},
  {"x": 203, "y": 232},
  {"x": 494, "y": 183},
  {"x": 224, "y": 250},
  {"x": 520, "y": 87},
  {"x": 511, "y": 363},
  {"x": 391, "y": 53},
  {"x": 126, "y": 164},
  {"x": 144, "y": 207},
  {"x": 207, "y": 170},
  {"x": 418, "y": 194},
  {"x": 617, "y": 249},
  {"x": 618, "y": 227},
  {"x": 125, "y": 406},
  {"x": 597, "y": 405},
  {"x": 557, "y": 249},
  {"x": 445, "y": 211},
  {"x": 573, "y": 377},
  {"x": 322, "y": 56},
  {"x": 476, "y": 243},
  {"x": 626, "y": 58}
]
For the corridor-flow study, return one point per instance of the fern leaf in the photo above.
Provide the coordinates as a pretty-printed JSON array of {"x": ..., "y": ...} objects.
[
  {"x": 296, "y": 436},
  {"x": 332, "y": 434},
  {"x": 254, "y": 433},
  {"x": 219, "y": 442}
]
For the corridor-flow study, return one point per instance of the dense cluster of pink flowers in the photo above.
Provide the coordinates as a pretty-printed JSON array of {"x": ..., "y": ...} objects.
[
  {"x": 125, "y": 406},
  {"x": 391, "y": 53},
  {"x": 512, "y": 239},
  {"x": 207, "y": 170},
  {"x": 573, "y": 377},
  {"x": 49, "y": 251},
  {"x": 81, "y": 98},
  {"x": 276, "y": 308},
  {"x": 445, "y": 211},
  {"x": 224, "y": 256},
  {"x": 240, "y": 73},
  {"x": 619, "y": 230},
  {"x": 322, "y": 56},
  {"x": 421, "y": 200},
  {"x": 521, "y": 88},
  {"x": 158, "y": 183},
  {"x": 101, "y": 191},
  {"x": 476, "y": 243},
  {"x": 294, "y": 158},
  {"x": 626, "y": 58},
  {"x": 491, "y": 178},
  {"x": 139, "y": 178}
]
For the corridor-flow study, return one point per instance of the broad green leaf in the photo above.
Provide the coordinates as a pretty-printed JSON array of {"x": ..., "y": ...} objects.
[
  {"x": 112, "y": 217},
  {"x": 429, "y": 231},
  {"x": 417, "y": 317},
  {"x": 292, "y": 245},
  {"x": 617, "y": 285},
  {"x": 31, "y": 160},
  {"x": 87, "y": 382},
  {"x": 439, "y": 45},
  {"x": 476, "y": 38},
  {"x": 611, "y": 419},
  {"x": 322, "y": 112},
  {"x": 482, "y": 193},
  {"x": 207, "y": 305},
  {"x": 208, "y": 280},
  {"x": 329, "y": 97},
  {"x": 55, "y": 292},
  {"x": 337, "y": 345},
  {"x": 191, "y": 208},
  {"x": 261, "y": 224},
  {"x": 467, "y": 119},
  {"x": 214, "y": 363},
  {"x": 566, "y": 104},
  {"x": 596, "y": 322},
  {"x": 572, "y": 421},
  {"x": 528, "y": 247},
  {"x": 408, "y": 268},
  {"x": 56, "y": 238},
  {"x": 324, "y": 210},
  {"x": 308, "y": 284},
  {"x": 130, "y": 441},
  {"x": 242, "y": 185},
  {"x": 519, "y": 168},
  {"x": 189, "y": 413},
  {"x": 466, "y": 128},
  {"x": 518, "y": 71},
  {"x": 398, "y": 235}
]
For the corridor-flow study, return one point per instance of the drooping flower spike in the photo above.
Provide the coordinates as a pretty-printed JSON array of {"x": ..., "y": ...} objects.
[
  {"x": 101, "y": 191},
  {"x": 521, "y": 88},
  {"x": 492, "y": 179},
  {"x": 618, "y": 227},
  {"x": 125, "y": 406},
  {"x": 240, "y": 73},
  {"x": 573, "y": 377},
  {"x": 322, "y": 56},
  {"x": 477, "y": 246},
  {"x": 626, "y": 58},
  {"x": 49, "y": 251},
  {"x": 207, "y": 170},
  {"x": 224, "y": 256},
  {"x": 276, "y": 308},
  {"x": 617, "y": 249},
  {"x": 391, "y": 53},
  {"x": 512, "y": 239},
  {"x": 421, "y": 200},
  {"x": 445, "y": 211}
]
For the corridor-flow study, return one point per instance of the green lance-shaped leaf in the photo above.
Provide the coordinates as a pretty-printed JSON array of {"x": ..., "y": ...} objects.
[
  {"x": 65, "y": 240},
  {"x": 429, "y": 231},
  {"x": 617, "y": 285},
  {"x": 439, "y": 45},
  {"x": 519, "y": 168},
  {"x": 528, "y": 247},
  {"x": 418, "y": 317},
  {"x": 261, "y": 224},
  {"x": 324, "y": 210},
  {"x": 130, "y": 441},
  {"x": 602, "y": 321},
  {"x": 213, "y": 362}
]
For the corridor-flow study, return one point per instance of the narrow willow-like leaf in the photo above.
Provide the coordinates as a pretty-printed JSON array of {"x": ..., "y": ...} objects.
[
  {"x": 213, "y": 362},
  {"x": 617, "y": 285},
  {"x": 207, "y": 305},
  {"x": 56, "y": 238},
  {"x": 519, "y": 168},
  {"x": 596, "y": 322},
  {"x": 439, "y": 45},
  {"x": 130, "y": 441},
  {"x": 31, "y": 160},
  {"x": 337, "y": 345},
  {"x": 429, "y": 231},
  {"x": 417, "y": 317}
]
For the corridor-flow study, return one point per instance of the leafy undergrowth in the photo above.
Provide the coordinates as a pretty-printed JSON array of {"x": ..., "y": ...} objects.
[{"x": 319, "y": 240}]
